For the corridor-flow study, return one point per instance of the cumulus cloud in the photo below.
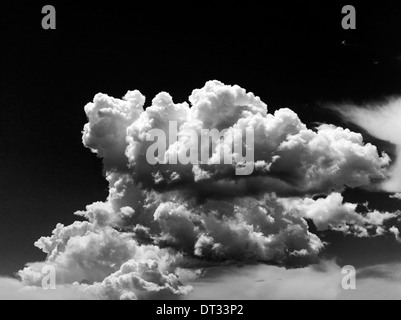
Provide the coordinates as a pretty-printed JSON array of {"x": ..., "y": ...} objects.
[
  {"x": 335, "y": 214},
  {"x": 290, "y": 158},
  {"x": 243, "y": 230},
  {"x": 140, "y": 280},
  {"x": 383, "y": 122},
  {"x": 108, "y": 119},
  {"x": 109, "y": 264},
  {"x": 162, "y": 222}
]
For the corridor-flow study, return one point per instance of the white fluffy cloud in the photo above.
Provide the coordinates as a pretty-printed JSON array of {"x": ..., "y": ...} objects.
[
  {"x": 332, "y": 213},
  {"x": 108, "y": 119},
  {"x": 383, "y": 122},
  {"x": 140, "y": 280},
  {"x": 108, "y": 263},
  {"x": 396, "y": 232},
  {"x": 290, "y": 158},
  {"x": 162, "y": 222}
]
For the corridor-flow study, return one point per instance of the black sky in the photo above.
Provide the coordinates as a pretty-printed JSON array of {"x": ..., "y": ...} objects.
[{"x": 292, "y": 55}]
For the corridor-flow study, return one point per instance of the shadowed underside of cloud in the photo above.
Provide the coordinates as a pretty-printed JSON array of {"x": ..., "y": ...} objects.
[{"x": 162, "y": 223}]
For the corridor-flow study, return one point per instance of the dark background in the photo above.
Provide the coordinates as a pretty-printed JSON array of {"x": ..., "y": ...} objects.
[{"x": 291, "y": 55}]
